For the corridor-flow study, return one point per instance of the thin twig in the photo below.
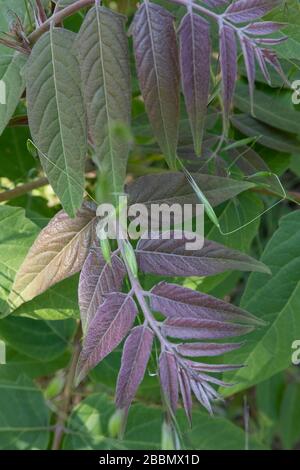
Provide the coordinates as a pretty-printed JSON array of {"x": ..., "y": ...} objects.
[
  {"x": 23, "y": 189},
  {"x": 58, "y": 18},
  {"x": 67, "y": 393}
]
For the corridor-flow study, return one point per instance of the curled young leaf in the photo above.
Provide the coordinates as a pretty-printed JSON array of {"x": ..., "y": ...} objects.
[
  {"x": 195, "y": 50},
  {"x": 56, "y": 115},
  {"x": 58, "y": 252},
  {"x": 136, "y": 353},
  {"x": 157, "y": 63},
  {"x": 98, "y": 278},
  {"x": 102, "y": 48},
  {"x": 111, "y": 323}
]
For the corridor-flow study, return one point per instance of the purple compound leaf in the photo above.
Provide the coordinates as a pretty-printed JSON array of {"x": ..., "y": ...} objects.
[
  {"x": 206, "y": 349},
  {"x": 228, "y": 61},
  {"x": 186, "y": 394},
  {"x": 176, "y": 301},
  {"x": 156, "y": 53},
  {"x": 98, "y": 278},
  {"x": 170, "y": 258},
  {"x": 169, "y": 378},
  {"x": 248, "y": 49},
  {"x": 194, "y": 328},
  {"x": 136, "y": 353},
  {"x": 110, "y": 325},
  {"x": 263, "y": 28},
  {"x": 195, "y": 52},
  {"x": 248, "y": 10}
]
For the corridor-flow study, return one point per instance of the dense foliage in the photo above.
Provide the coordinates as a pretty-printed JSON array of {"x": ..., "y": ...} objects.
[{"x": 144, "y": 344}]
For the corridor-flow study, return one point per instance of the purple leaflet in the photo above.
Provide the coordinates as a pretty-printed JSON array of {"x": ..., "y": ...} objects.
[
  {"x": 173, "y": 187},
  {"x": 249, "y": 59},
  {"x": 206, "y": 349},
  {"x": 228, "y": 61},
  {"x": 195, "y": 51},
  {"x": 271, "y": 57},
  {"x": 248, "y": 10},
  {"x": 263, "y": 28},
  {"x": 156, "y": 53},
  {"x": 194, "y": 328},
  {"x": 198, "y": 366},
  {"x": 136, "y": 353},
  {"x": 110, "y": 325},
  {"x": 170, "y": 258},
  {"x": 97, "y": 279},
  {"x": 185, "y": 390},
  {"x": 169, "y": 378},
  {"x": 262, "y": 64},
  {"x": 176, "y": 301},
  {"x": 271, "y": 41},
  {"x": 200, "y": 394}
]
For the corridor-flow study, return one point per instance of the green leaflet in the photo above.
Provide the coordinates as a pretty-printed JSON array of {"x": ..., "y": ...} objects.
[
  {"x": 270, "y": 107},
  {"x": 11, "y": 62},
  {"x": 40, "y": 340},
  {"x": 17, "y": 234},
  {"x": 102, "y": 49},
  {"x": 18, "y": 364},
  {"x": 11, "y": 65},
  {"x": 16, "y": 161},
  {"x": 290, "y": 416},
  {"x": 24, "y": 418},
  {"x": 56, "y": 115},
  {"x": 269, "y": 136},
  {"x": 276, "y": 299}
]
